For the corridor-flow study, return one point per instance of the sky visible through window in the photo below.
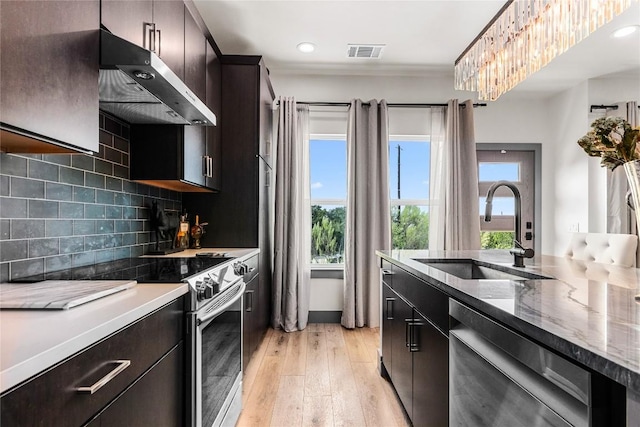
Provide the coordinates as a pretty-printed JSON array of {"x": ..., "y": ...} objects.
[
  {"x": 328, "y": 164},
  {"x": 415, "y": 159},
  {"x": 328, "y": 160}
]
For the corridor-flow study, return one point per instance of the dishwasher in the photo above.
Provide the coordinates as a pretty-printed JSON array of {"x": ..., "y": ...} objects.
[{"x": 500, "y": 378}]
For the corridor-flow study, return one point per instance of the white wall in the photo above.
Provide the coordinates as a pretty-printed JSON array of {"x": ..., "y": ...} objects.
[{"x": 566, "y": 189}]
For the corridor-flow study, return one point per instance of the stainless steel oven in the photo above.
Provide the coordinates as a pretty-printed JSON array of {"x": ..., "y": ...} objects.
[
  {"x": 218, "y": 359},
  {"x": 215, "y": 343}
]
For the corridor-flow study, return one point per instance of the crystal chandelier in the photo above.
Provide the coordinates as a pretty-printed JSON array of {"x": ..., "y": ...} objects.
[{"x": 523, "y": 37}]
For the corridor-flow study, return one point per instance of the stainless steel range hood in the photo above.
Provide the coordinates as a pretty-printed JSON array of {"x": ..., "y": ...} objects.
[{"x": 136, "y": 86}]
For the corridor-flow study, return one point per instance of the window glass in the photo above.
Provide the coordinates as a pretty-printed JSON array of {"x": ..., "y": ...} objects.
[
  {"x": 409, "y": 169},
  {"x": 412, "y": 159},
  {"x": 500, "y": 206},
  {"x": 489, "y": 172},
  {"x": 328, "y": 164},
  {"x": 496, "y": 239},
  {"x": 327, "y": 234},
  {"x": 328, "y": 180},
  {"x": 410, "y": 227}
]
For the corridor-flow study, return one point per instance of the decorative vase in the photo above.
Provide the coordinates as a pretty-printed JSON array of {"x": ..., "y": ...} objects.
[{"x": 632, "y": 169}]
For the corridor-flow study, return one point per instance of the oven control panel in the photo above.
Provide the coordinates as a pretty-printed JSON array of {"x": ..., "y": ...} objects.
[{"x": 207, "y": 284}]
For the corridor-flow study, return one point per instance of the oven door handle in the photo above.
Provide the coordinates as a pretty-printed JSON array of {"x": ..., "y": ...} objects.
[{"x": 238, "y": 292}]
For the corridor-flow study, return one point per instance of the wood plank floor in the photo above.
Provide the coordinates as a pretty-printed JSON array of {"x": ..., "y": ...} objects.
[{"x": 323, "y": 376}]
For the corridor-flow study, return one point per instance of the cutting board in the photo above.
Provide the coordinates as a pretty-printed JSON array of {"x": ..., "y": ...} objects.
[{"x": 58, "y": 294}]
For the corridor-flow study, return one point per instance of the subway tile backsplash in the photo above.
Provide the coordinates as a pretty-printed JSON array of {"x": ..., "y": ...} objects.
[{"x": 66, "y": 210}]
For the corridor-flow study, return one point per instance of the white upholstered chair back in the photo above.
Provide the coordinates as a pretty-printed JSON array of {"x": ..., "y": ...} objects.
[{"x": 615, "y": 249}]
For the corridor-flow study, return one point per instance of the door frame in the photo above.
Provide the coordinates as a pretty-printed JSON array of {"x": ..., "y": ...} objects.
[{"x": 537, "y": 176}]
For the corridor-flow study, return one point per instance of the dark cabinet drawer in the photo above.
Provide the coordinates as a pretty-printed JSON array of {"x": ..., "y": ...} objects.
[
  {"x": 155, "y": 399},
  {"x": 428, "y": 300},
  {"x": 52, "y": 398}
]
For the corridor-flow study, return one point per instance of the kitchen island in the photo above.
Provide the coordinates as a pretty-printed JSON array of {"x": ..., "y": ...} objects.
[{"x": 585, "y": 311}]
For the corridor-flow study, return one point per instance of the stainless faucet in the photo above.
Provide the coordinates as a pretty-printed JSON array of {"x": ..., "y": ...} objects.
[{"x": 519, "y": 252}]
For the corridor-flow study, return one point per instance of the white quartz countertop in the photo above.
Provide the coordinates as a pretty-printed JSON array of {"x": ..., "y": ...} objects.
[
  {"x": 34, "y": 340},
  {"x": 587, "y": 312}
]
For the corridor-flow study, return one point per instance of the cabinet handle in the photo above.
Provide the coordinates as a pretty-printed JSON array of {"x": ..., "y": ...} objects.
[
  {"x": 407, "y": 335},
  {"x": 150, "y": 29},
  {"x": 146, "y": 34},
  {"x": 390, "y": 308},
  {"x": 159, "y": 41},
  {"x": 387, "y": 272},
  {"x": 210, "y": 167},
  {"x": 413, "y": 342},
  {"x": 249, "y": 301},
  {"x": 122, "y": 365},
  {"x": 205, "y": 165}
]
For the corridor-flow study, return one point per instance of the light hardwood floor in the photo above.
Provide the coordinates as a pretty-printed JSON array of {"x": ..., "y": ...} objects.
[{"x": 323, "y": 376}]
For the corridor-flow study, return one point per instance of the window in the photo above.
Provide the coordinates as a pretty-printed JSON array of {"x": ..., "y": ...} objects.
[
  {"x": 409, "y": 170},
  {"x": 409, "y": 173},
  {"x": 516, "y": 167},
  {"x": 328, "y": 164}
]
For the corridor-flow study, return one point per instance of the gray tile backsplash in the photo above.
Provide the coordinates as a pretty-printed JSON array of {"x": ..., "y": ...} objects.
[{"x": 66, "y": 210}]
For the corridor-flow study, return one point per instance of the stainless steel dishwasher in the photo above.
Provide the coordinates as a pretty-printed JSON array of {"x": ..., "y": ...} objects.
[{"x": 500, "y": 378}]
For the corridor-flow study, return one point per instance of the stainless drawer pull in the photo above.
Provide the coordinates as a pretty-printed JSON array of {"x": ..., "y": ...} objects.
[{"x": 122, "y": 365}]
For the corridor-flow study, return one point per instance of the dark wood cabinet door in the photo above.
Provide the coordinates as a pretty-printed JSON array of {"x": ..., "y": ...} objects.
[
  {"x": 401, "y": 367},
  {"x": 49, "y": 72},
  {"x": 168, "y": 15},
  {"x": 195, "y": 56},
  {"x": 249, "y": 331},
  {"x": 194, "y": 154},
  {"x": 430, "y": 374},
  {"x": 127, "y": 19},
  {"x": 389, "y": 301},
  {"x": 155, "y": 399},
  {"x": 213, "y": 101}
]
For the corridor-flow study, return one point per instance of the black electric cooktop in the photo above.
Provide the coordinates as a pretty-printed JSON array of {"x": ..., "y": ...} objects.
[{"x": 144, "y": 270}]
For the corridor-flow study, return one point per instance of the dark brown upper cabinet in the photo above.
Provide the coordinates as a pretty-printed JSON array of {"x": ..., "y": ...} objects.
[
  {"x": 195, "y": 56},
  {"x": 168, "y": 17},
  {"x": 157, "y": 26},
  {"x": 169, "y": 156},
  {"x": 129, "y": 20},
  {"x": 49, "y": 75},
  {"x": 213, "y": 100}
]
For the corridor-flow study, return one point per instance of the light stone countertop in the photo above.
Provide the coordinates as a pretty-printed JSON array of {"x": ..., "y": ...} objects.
[
  {"x": 34, "y": 340},
  {"x": 588, "y": 313}
]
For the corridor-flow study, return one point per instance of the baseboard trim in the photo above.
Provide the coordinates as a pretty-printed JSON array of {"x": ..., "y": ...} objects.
[{"x": 325, "y": 316}]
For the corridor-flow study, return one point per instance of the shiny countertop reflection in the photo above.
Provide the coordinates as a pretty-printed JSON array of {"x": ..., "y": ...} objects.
[{"x": 587, "y": 312}]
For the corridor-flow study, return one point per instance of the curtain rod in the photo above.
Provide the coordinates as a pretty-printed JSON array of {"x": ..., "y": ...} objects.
[
  {"x": 401, "y": 105},
  {"x": 604, "y": 107}
]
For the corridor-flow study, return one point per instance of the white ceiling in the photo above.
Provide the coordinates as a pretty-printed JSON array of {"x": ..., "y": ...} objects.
[{"x": 421, "y": 37}]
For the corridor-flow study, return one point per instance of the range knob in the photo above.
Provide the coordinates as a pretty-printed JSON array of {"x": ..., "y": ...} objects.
[
  {"x": 204, "y": 291},
  {"x": 210, "y": 281},
  {"x": 238, "y": 268}
]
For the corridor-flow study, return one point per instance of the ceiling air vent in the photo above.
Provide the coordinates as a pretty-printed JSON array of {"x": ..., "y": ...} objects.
[{"x": 369, "y": 51}]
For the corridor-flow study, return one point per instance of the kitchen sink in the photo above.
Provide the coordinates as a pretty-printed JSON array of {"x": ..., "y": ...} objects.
[{"x": 471, "y": 269}]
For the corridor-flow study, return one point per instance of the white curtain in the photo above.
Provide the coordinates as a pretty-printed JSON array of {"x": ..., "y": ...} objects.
[
  {"x": 437, "y": 178},
  {"x": 292, "y": 246},
  {"x": 455, "y": 216},
  {"x": 368, "y": 221}
]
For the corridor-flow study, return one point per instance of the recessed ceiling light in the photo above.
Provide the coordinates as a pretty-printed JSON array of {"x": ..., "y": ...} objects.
[
  {"x": 306, "y": 47},
  {"x": 625, "y": 31}
]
